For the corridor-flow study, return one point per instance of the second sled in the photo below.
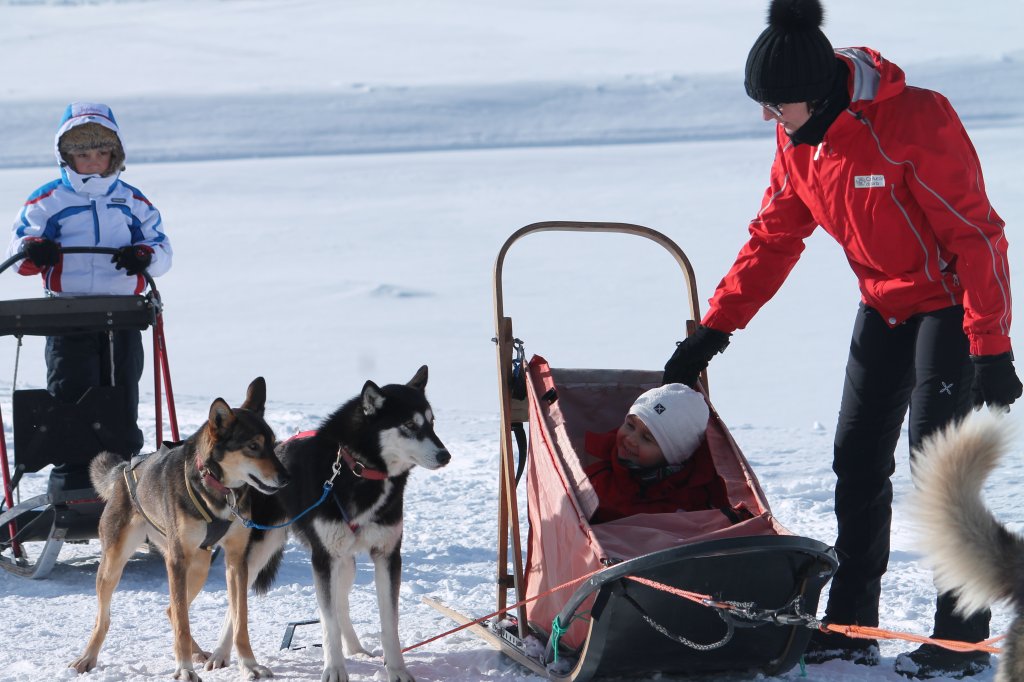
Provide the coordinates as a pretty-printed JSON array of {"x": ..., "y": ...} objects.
[
  {"x": 62, "y": 437},
  {"x": 674, "y": 594}
]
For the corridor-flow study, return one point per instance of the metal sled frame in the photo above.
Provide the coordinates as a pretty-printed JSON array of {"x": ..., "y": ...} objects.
[{"x": 73, "y": 514}]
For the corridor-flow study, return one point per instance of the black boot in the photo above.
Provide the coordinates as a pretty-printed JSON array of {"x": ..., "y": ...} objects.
[
  {"x": 831, "y": 646},
  {"x": 929, "y": 660}
]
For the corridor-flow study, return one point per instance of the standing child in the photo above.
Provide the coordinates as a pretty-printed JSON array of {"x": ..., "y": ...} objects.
[
  {"x": 90, "y": 206},
  {"x": 653, "y": 462}
]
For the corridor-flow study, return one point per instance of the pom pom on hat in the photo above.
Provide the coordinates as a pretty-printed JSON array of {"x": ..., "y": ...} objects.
[
  {"x": 792, "y": 60},
  {"x": 677, "y": 417}
]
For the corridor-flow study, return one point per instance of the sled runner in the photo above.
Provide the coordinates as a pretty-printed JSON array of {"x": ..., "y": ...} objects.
[
  {"x": 49, "y": 432},
  {"x": 678, "y": 593}
]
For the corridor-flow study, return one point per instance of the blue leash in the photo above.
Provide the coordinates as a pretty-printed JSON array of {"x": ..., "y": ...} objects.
[
  {"x": 328, "y": 485},
  {"x": 249, "y": 523}
]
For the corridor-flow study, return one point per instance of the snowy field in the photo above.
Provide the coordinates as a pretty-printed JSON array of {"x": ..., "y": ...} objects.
[{"x": 337, "y": 179}]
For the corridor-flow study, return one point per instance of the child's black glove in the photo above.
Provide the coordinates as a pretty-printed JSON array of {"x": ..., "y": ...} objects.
[
  {"x": 42, "y": 252},
  {"x": 134, "y": 259},
  {"x": 693, "y": 354},
  {"x": 995, "y": 380}
]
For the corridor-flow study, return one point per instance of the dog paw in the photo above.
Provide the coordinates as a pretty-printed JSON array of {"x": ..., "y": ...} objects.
[
  {"x": 255, "y": 671},
  {"x": 187, "y": 674},
  {"x": 334, "y": 674},
  {"x": 217, "y": 659},
  {"x": 83, "y": 664},
  {"x": 400, "y": 675},
  {"x": 200, "y": 657}
]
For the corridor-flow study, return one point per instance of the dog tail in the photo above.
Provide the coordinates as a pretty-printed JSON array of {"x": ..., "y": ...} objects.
[
  {"x": 973, "y": 554},
  {"x": 105, "y": 472},
  {"x": 265, "y": 579}
]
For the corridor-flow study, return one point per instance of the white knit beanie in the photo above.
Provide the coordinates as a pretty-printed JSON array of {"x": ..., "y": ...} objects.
[{"x": 677, "y": 417}]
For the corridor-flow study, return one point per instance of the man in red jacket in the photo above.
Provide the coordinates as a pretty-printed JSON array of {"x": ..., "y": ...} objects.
[{"x": 888, "y": 170}]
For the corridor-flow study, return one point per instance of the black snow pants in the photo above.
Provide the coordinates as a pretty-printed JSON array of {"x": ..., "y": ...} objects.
[
  {"x": 923, "y": 364},
  {"x": 76, "y": 362}
]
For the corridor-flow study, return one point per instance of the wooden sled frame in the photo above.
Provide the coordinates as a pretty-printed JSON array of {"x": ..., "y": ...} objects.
[{"x": 510, "y": 410}]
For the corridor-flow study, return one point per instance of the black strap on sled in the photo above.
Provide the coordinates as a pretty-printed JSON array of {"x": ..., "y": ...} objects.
[{"x": 517, "y": 390}]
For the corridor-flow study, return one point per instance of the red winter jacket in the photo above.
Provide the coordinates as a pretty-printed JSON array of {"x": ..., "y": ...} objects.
[
  {"x": 897, "y": 183},
  {"x": 694, "y": 487}
]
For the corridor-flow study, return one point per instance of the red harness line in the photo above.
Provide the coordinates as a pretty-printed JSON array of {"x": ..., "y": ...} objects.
[{"x": 707, "y": 600}]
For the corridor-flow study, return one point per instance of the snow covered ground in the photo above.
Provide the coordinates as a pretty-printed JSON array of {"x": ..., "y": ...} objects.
[{"x": 337, "y": 179}]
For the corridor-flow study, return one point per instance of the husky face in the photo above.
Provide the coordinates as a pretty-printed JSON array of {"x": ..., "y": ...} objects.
[
  {"x": 242, "y": 444},
  {"x": 404, "y": 424}
]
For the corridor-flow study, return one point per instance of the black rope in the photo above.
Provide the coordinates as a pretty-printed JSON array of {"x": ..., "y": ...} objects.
[{"x": 730, "y": 628}]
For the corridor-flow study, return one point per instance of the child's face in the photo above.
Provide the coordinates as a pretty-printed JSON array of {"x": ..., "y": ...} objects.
[
  {"x": 93, "y": 161},
  {"x": 636, "y": 444}
]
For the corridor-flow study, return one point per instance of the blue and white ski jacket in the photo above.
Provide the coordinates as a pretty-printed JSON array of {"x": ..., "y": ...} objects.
[{"x": 90, "y": 210}]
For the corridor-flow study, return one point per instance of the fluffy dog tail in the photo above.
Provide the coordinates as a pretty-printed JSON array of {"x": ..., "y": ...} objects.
[
  {"x": 973, "y": 554},
  {"x": 105, "y": 472}
]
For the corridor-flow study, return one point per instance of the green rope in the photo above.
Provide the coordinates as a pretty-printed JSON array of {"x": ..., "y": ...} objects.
[{"x": 556, "y": 634}]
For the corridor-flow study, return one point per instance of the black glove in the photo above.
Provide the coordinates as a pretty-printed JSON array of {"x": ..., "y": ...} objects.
[
  {"x": 693, "y": 354},
  {"x": 42, "y": 252},
  {"x": 995, "y": 381},
  {"x": 134, "y": 259}
]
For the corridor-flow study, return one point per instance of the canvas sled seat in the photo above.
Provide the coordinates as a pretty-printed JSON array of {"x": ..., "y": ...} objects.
[{"x": 614, "y": 625}]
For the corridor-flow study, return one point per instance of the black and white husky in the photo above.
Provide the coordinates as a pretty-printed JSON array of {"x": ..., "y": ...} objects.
[
  {"x": 973, "y": 554},
  {"x": 365, "y": 451}
]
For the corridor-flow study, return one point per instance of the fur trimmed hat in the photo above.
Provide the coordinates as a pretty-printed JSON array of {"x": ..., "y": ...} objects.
[
  {"x": 88, "y": 136},
  {"x": 792, "y": 60},
  {"x": 677, "y": 417}
]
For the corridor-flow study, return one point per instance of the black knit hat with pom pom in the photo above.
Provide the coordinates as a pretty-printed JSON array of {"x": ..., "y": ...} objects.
[{"x": 792, "y": 60}]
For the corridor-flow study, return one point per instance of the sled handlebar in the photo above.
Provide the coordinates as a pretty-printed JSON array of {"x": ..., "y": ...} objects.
[
  {"x": 102, "y": 250},
  {"x": 620, "y": 228}
]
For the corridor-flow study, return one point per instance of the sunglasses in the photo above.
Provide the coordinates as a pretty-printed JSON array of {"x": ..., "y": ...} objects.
[{"x": 773, "y": 109}]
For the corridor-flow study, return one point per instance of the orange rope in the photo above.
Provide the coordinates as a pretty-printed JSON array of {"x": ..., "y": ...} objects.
[
  {"x": 503, "y": 611},
  {"x": 855, "y": 631},
  {"x": 864, "y": 632},
  {"x": 703, "y": 599}
]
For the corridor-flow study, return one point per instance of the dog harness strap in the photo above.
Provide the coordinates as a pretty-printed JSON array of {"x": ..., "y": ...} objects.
[
  {"x": 132, "y": 482},
  {"x": 215, "y": 527},
  {"x": 214, "y": 532},
  {"x": 354, "y": 527},
  {"x": 200, "y": 507},
  {"x": 360, "y": 469}
]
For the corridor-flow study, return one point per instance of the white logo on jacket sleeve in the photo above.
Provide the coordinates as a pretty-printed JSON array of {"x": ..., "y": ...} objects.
[{"x": 862, "y": 181}]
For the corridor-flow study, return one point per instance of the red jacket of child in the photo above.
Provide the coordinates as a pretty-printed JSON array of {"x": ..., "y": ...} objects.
[{"x": 694, "y": 487}]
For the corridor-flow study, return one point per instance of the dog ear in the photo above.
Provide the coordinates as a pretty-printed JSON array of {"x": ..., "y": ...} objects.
[
  {"x": 373, "y": 399},
  {"x": 256, "y": 396},
  {"x": 221, "y": 417},
  {"x": 419, "y": 381}
]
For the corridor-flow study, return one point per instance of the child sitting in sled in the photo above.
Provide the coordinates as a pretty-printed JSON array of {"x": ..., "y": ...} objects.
[{"x": 657, "y": 460}]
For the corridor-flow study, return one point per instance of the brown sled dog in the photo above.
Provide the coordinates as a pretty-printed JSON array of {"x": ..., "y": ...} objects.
[
  {"x": 974, "y": 555},
  {"x": 184, "y": 498}
]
